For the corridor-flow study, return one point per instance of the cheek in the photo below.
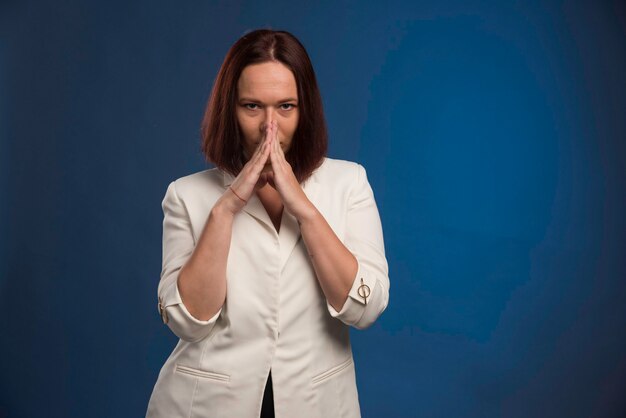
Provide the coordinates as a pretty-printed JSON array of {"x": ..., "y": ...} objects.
[
  {"x": 245, "y": 122},
  {"x": 249, "y": 133},
  {"x": 291, "y": 126}
]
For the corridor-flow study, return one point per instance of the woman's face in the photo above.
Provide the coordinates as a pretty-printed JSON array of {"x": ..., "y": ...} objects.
[{"x": 266, "y": 92}]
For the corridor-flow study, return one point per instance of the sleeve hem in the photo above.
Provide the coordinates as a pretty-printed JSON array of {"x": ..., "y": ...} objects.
[{"x": 355, "y": 305}]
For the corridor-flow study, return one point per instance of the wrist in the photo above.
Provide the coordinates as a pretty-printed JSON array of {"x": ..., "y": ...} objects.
[
  {"x": 308, "y": 216},
  {"x": 228, "y": 204}
]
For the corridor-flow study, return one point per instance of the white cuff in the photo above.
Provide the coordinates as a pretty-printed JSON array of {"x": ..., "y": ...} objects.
[
  {"x": 174, "y": 313},
  {"x": 355, "y": 311}
]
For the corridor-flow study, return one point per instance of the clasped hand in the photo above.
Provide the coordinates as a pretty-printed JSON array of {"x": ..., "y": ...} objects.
[{"x": 281, "y": 177}]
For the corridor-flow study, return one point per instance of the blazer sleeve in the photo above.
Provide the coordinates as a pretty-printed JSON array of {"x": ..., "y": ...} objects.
[
  {"x": 178, "y": 245},
  {"x": 364, "y": 238}
]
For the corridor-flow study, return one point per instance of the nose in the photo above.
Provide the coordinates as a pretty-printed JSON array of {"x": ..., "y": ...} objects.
[{"x": 269, "y": 117}]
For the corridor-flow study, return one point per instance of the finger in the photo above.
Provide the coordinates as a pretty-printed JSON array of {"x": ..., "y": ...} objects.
[
  {"x": 259, "y": 148},
  {"x": 279, "y": 149},
  {"x": 263, "y": 155},
  {"x": 276, "y": 150},
  {"x": 260, "y": 161},
  {"x": 263, "y": 145},
  {"x": 281, "y": 154},
  {"x": 275, "y": 141}
]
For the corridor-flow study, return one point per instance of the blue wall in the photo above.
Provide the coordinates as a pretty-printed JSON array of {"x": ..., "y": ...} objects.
[{"x": 494, "y": 136}]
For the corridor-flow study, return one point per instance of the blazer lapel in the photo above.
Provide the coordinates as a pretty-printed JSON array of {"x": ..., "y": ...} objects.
[
  {"x": 289, "y": 233},
  {"x": 254, "y": 207}
]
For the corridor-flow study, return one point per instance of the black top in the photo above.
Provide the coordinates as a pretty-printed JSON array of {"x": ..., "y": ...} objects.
[{"x": 267, "y": 409}]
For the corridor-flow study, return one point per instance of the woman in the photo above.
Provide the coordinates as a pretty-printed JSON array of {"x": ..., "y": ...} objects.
[{"x": 269, "y": 257}]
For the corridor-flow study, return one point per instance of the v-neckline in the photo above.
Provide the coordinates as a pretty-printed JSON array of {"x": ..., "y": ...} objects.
[{"x": 278, "y": 219}]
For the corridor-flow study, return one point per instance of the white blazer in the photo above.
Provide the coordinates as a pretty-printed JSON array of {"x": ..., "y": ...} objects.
[{"x": 275, "y": 315}]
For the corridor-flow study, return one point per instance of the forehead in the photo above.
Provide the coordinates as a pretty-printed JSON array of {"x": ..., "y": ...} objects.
[{"x": 267, "y": 80}]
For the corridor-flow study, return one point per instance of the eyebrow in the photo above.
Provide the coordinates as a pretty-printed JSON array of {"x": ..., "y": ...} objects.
[{"x": 247, "y": 99}]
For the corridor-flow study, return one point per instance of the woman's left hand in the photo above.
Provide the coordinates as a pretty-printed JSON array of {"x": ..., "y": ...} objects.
[{"x": 282, "y": 179}]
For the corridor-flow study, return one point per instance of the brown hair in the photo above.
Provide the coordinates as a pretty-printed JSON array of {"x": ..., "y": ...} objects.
[{"x": 222, "y": 140}]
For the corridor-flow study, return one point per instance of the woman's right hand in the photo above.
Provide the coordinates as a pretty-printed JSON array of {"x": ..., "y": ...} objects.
[{"x": 250, "y": 178}]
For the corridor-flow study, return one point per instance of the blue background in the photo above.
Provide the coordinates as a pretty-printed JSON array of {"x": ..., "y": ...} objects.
[{"x": 494, "y": 137}]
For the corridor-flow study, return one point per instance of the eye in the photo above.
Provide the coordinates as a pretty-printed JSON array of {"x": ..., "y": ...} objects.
[
  {"x": 288, "y": 104},
  {"x": 250, "y": 104}
]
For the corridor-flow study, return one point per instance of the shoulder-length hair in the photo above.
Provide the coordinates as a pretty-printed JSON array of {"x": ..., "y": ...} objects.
[{"x": 222, "y": 140}]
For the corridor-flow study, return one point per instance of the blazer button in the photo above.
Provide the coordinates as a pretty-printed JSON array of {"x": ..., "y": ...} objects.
[{"x": 162, "y": 312}]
